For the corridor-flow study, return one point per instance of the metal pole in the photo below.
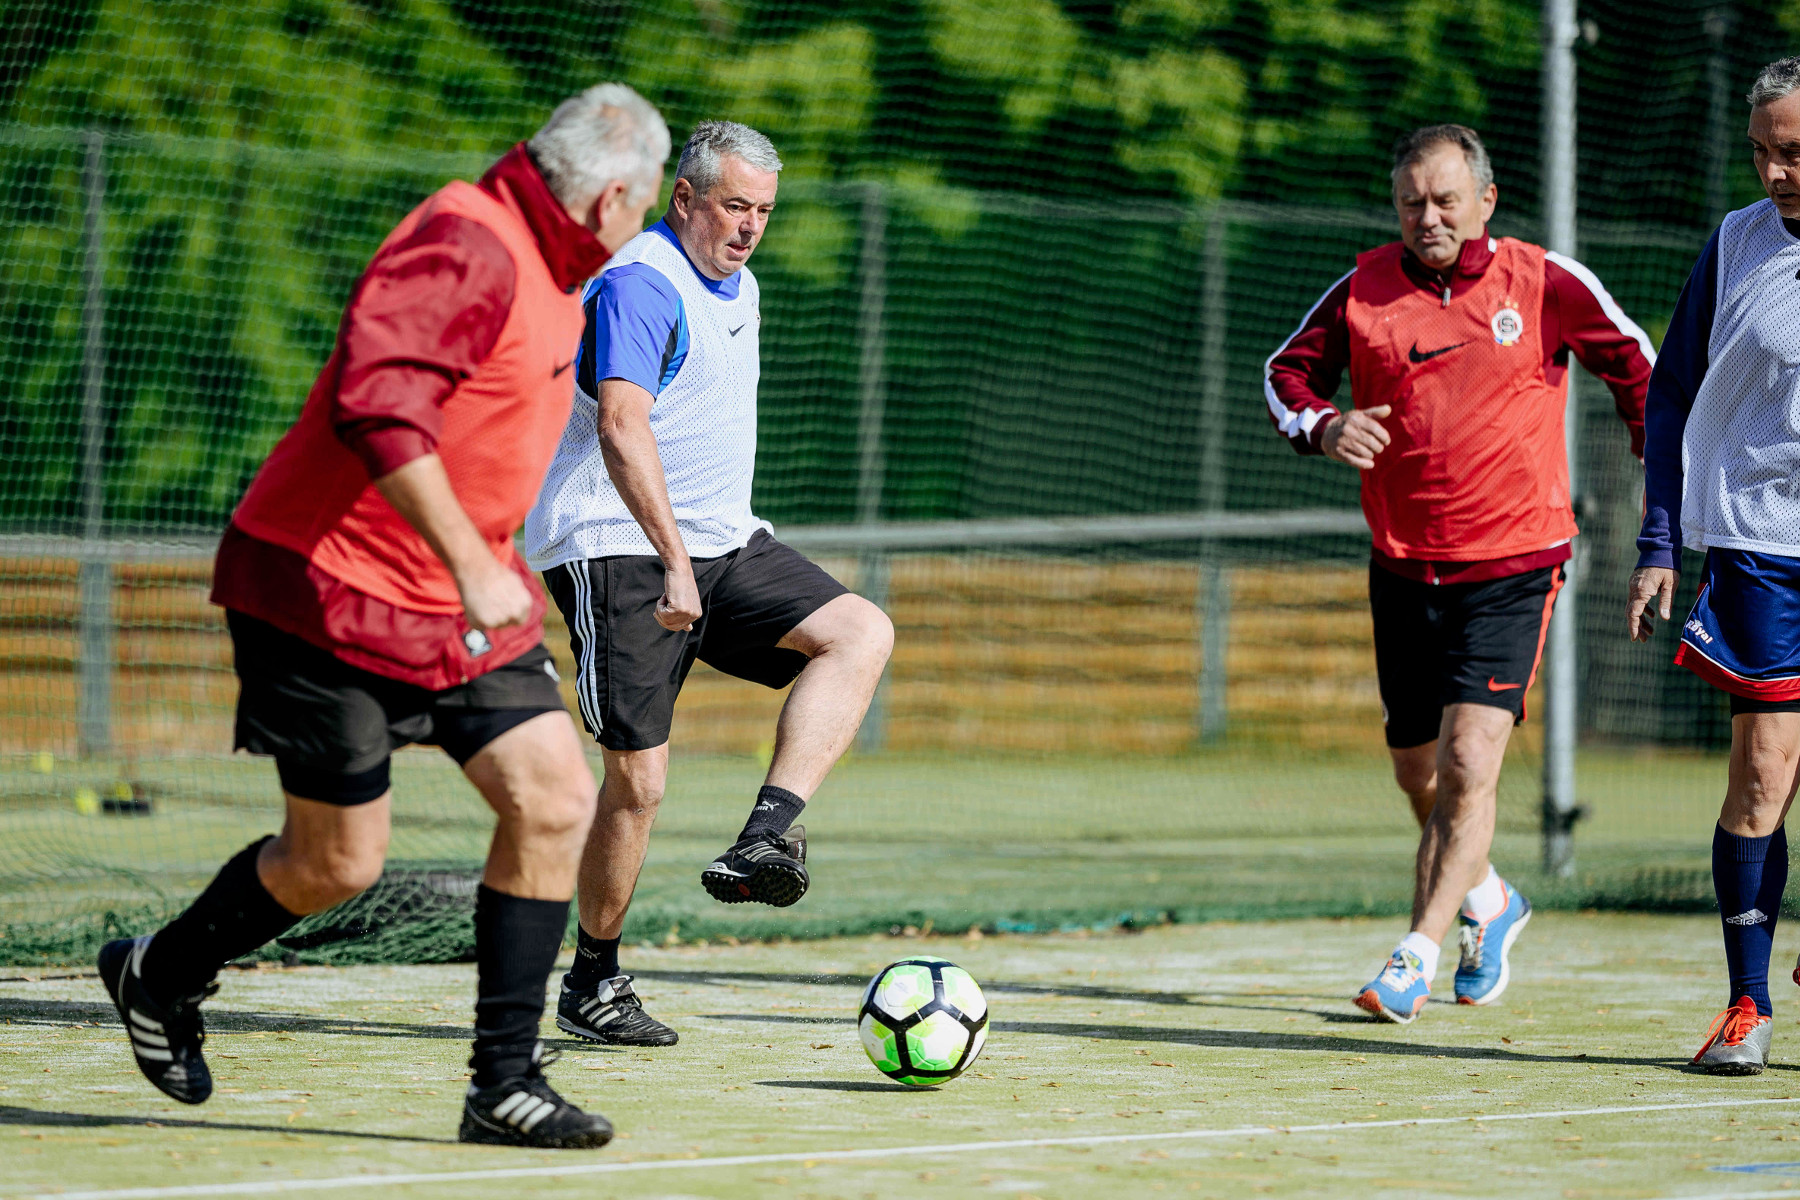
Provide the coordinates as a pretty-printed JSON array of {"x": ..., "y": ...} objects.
[
  {"x": 94, "y": 709},
  {"x": 1561, "y": 668},
  {"x": 1214, "y": 592},
  {"x": 872, "y": 565},
  {"x": 1719, "y": 22}
]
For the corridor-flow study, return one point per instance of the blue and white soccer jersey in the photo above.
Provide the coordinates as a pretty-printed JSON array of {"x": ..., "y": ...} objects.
[
  {"x": 1722, "y": 455},
  {"x": 691, "y": 342}
]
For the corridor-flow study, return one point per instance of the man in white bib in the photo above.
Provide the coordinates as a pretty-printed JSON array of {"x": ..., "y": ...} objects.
[
  {"x": 646, "y": 539},
  {"x": 1721, "y": 461}
]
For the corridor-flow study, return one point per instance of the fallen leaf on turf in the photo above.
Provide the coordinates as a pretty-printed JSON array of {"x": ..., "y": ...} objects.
[
  {"x": 821, "y": 1045},
  {"x": 1162, "y": 1064}
]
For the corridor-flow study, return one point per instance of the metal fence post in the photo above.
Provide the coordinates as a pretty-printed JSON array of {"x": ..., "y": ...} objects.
[
  {"x": 1719, "y": 23},
  {"x": 871, "y": 465},
  {"x": 1561, "y": 667},
  {"x": 95, "y": 620},
  {"x": 1214, "y": 592}
]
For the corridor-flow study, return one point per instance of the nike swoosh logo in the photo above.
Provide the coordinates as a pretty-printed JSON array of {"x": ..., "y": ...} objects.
[
  {"x": 1502, "y": 687},
  {"x": 562, "y": 368},
  {"x": 739, "y": 329},
  {"x": 1428, "y": 355}
]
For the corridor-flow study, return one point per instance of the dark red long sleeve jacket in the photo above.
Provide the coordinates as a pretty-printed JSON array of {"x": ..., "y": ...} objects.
[{"x": 437, "y": 352}]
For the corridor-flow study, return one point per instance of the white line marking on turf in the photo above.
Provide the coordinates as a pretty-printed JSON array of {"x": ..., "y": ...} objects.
[{"x": 272, "y": 1186}]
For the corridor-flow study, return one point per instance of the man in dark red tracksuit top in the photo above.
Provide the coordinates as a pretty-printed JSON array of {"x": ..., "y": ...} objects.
[
  {"x": 374, "y": 599},
  {"x": 1457, "y": 345}
]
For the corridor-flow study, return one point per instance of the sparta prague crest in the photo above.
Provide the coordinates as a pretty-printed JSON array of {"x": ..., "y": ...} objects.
[{"x": 1508, "y": 326}]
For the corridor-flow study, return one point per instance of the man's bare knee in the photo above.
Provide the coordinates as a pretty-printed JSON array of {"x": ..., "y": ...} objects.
[
  {"x": 873, "y": 632},
  {"x": 558, "y": 810},
  {"x": 849, "y": 626},
  {"x": 635, "y": 781},
  {"x": 1768, "y": 781},
  {"x": 320, "y": 876},
  {"x": 1416, "y": 778}
]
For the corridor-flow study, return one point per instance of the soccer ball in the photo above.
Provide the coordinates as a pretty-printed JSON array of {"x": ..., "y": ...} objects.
[{"x": 923, "y": 1020}]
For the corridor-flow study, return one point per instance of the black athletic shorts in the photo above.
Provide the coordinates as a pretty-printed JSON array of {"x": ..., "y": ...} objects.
[
  {"x": 1744, "y": 704},
  {"x": 331, "y": 726},
  {"x": 1456, "y": 643},
  {"x": 629, "y": 669}
]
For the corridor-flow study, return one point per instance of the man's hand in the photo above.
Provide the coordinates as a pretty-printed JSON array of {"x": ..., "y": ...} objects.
[
  {"x": 679, "y": 607},
  {"x": 1356, "y": 437},
  {"x": 493, "y": 597},
  {"x": 1647, "y": 584}
]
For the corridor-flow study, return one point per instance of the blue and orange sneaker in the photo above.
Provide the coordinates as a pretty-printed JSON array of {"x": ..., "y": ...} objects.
[
  {"x": 1484, "y": 971},
  {"x": 1399, "y": 992}
]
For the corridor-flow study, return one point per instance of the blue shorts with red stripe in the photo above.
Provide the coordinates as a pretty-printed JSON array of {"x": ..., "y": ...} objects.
[{"x": 1743, "y": 636}]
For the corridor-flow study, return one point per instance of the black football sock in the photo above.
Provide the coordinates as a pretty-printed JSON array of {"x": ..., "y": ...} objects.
[
  {"x": 516, "y": 943},
  {"x": 776, "y": 809},
  {"x": 232, "y": 917},
  {"x": 595, "y": 959}
]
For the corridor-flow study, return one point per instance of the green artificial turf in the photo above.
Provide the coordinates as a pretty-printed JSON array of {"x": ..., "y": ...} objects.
[{"x": 1241, "y": 1034}]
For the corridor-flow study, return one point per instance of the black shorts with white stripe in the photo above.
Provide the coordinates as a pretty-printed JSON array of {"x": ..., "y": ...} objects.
[{"x": 629, "y": 669}]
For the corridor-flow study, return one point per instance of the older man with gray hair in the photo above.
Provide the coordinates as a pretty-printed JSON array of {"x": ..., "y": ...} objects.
[
  {"x": 1721, "y": 457},
  {"x": 374, "y": 599},
  {"x": 646, "y": 539},
  {"x": 1458, "y": 345}
]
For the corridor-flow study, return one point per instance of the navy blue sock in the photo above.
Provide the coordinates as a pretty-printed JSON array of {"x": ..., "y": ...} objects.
[{"x": 1749, "y": 876}]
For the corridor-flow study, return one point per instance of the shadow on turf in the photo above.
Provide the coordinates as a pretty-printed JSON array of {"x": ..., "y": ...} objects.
[
  {"x": 843, "y": 1085},
  {"x": 1078, "y": 991},
  {"x": 11, "y": 1114},
  {"x": 224, "y": 1020},
  {"x": 1244, "y": 1039}
]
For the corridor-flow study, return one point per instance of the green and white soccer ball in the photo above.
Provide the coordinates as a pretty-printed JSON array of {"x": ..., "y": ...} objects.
[{"x": 923, "y": 1020}]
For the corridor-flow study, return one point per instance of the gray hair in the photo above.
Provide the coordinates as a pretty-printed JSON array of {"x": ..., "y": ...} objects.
[
  {"x": 1779, "y": 79},
  {"x": 1412, "y": 147},
  {"x": 607, "y": 133},
  {"x": 702, "y": 159}
]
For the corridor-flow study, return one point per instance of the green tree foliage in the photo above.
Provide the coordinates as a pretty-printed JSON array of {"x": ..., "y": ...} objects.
[
  {"x": 257, "y": 151},
  {"x": 250, "y": 170}
]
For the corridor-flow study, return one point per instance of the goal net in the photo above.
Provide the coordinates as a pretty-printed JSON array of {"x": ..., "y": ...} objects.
[{"x": 1025, "y": 272}]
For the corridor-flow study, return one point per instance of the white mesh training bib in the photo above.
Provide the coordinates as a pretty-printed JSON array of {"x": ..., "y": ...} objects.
[
  {"x": 705, "y": 427},
  {"x": 1740, "y": 452}
]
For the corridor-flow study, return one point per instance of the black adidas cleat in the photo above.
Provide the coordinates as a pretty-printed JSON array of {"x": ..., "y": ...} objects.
[
  {"x": 165, "y": 1039},
  {"x": 611, "y": 1014},
  {"x": 765, "y": 868},
  {"x": 527, "y": 1112}
]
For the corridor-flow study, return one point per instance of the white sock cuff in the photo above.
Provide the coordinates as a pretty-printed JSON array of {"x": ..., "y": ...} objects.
[
  {"x": 1487, "y": 898},
  {"x": 1425, "y": 950}
]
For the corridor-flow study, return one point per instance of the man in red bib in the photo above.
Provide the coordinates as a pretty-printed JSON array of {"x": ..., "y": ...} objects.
[
  {"x": 1457, "y": 345},
  {"x": 374, "y": 600}
]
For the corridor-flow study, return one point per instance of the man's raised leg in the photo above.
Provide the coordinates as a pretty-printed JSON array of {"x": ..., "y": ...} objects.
[
  {"x": 325, "y": 854},
  {"x": 847, "y": 642},
  {"x": 1750, "y": 869},
  {"x": 1452, "y": 861},
  {"x": 598, "y": 1001},
  {"x": 537, "y": 781}
]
